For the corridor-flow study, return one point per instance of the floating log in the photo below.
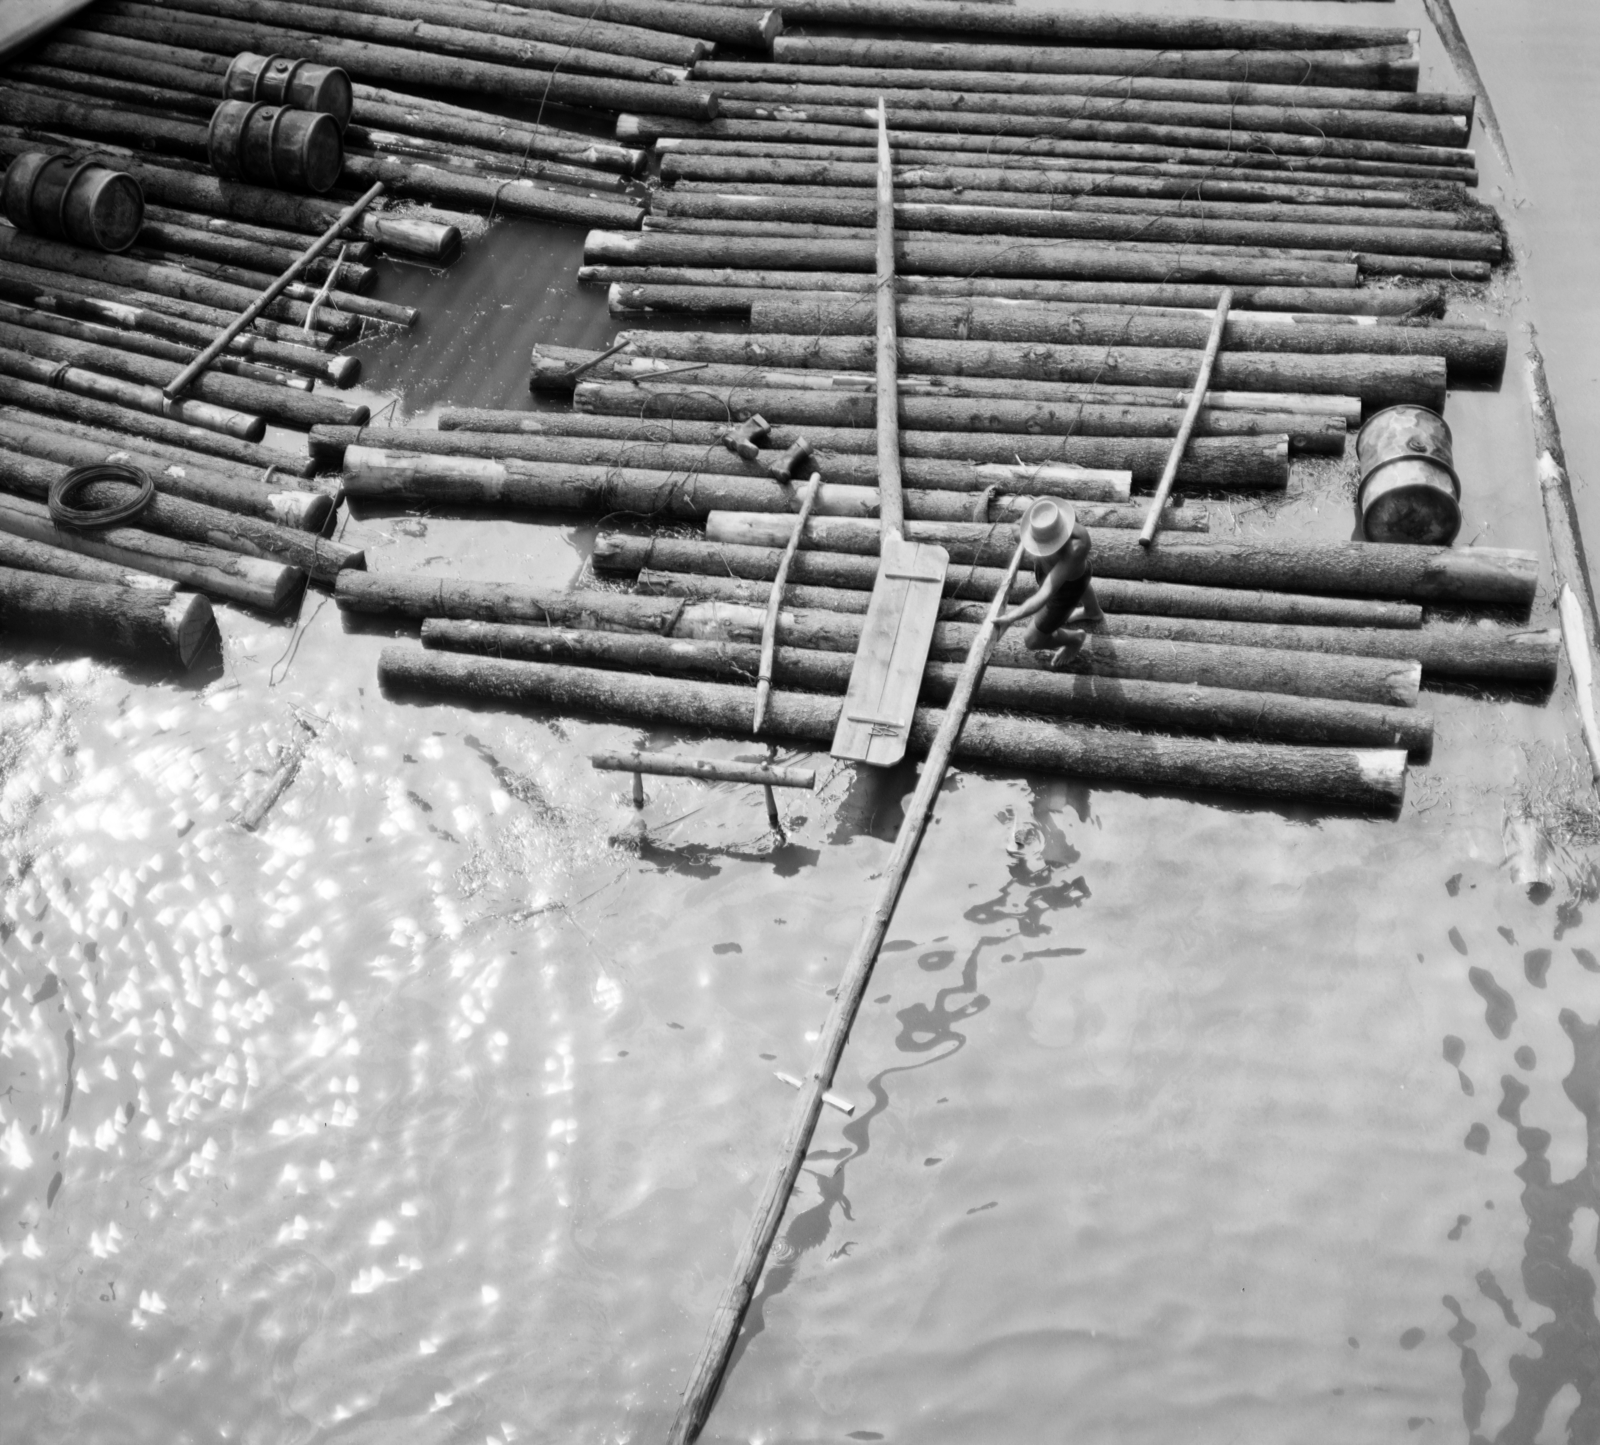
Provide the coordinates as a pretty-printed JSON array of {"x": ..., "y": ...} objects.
[
  {"x": 1386, "y": 67},
  {"x": 104, "y": 620},
  {"x": 275, "y": 236},
  {"x": 717, "y": 770},
  {"x": 1135, "y": 86},
  {"x": 188, "y": 477},
  {"x": 951, "y": 256},
  {"x": 1348, "y": 777},
  {"x": 1220, "y": 463},
  {"x": 1090, "y": 225},
  {"x": 192, "y": 522},
  {"x": 329, "y": 445},
  {"x": 371, "y": 472},
  {"x": 803, "y": 407},
  {"x": 747, "y": 27},
  {"x": 1164, "y": 706},
  {"x": 1377, "y": 380},
  {"x": 513, "y": 197},
  {"x": 68, "y": 407},
  {"x": 407, "y": 595},
  {"x": 253, "y": 581},
  {"x": 1487, "y": 576},
  {"x": 1157, "y": 599},
  {"x": 234, "y": 251},
  {"x": 276, "y": 403},
  {"x": 161, "y": 280},
  {"x": 391, "y": 62},
  {"x": 25, "y": 556},
  {"x": 352, "y": 306},
  {"x": 132, "y": 395},
  {"x": 1388, "y": 302}
]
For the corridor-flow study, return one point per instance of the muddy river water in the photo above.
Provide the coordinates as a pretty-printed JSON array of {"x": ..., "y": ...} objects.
[{"x": 434, "y": 1110}]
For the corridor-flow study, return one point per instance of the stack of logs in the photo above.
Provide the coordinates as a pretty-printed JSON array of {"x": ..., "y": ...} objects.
[{"x": 1072, "y": 192}]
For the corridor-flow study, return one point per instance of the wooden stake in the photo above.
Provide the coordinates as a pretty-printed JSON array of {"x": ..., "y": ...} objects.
[
  {"x": 891, "y": 509},
  {"x": 769, "y": 1213},
  {"x": 769, "y": 630},
  {"x": 1576, "y": 637},
  {"x": 186, "y": 378},
  {"x": 1169, "y": 473}
]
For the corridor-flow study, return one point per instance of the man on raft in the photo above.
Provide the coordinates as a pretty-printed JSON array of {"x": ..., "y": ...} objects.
[{"x": 1060, "y": 551}]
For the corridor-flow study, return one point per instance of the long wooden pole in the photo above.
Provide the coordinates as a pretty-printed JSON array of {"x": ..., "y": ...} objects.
[
  {"x": 752, "y": 1257},
  {"x": 1169, "y": 473},
  {"x": 891, "y": 507},
  {"x": 769, "y": 630},
  {"x": 186, "y": 378}
]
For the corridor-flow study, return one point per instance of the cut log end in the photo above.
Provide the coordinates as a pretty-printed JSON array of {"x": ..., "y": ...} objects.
[
  {"x": 189, "y": 623},
  {"x": 307, "y": 511}
]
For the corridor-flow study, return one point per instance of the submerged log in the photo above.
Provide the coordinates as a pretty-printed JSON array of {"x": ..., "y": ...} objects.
[
  {"x": 1167, "y": 707},
  {"x": 1489, "y": 576},
  {"x": 254, "y": 581},
  {"x": 104, "y": 620},
  {"x": 1363, "y": 779}
]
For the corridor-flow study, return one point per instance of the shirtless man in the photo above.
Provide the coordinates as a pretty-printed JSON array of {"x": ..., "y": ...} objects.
[{"x": 1060, "y": 551}]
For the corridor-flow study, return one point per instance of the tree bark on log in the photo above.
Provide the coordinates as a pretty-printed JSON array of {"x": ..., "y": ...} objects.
[
  {"x": 276, "y": 403},
  {"x": 1346, "y": 777},
  {"x": 963, "y": 256},
  {"x": 514, "y": 197},
  {"x": 104, "y": 620},
  {"x": 1115, "y": 595},
  {"x": 1377, "y": 380},
  {"x": 1167, "y": 707},
  {"x": 23, "y": 555},
  {"x": 1216, "y": 463},
  {"x": 387, "y": 62},
  {"x": 253, "y": 581},
  {"x": 406, "y": 595},
  {"x": 178, "y": 474},
  {"x": 689, "y": 494},
  {"x": 149, "y": 430},
  {"x": 195, "y": 241},
  {"x": 175, "y": 517},
  {"x": 1487, "y": 576},
  {"x": 747, "y": 28},
  {"x": 807, "y": 407},
  {"x": 1389, "y": 67}
]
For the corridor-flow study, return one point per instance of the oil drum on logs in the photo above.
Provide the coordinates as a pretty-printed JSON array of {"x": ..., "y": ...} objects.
[
  {"x": 64, "y": 199},
  {"x": 273, "y": 145},
  {"x": 1409, "y": 488},
  {"x": 283, "y": 80}
]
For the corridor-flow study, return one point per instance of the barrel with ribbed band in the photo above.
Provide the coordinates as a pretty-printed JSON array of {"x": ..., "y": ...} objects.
[
  {"x": 284, "y": 80},
  {"x": 1409, "y": 488},
  {"x": 274, "y": 145},
  {"x": 68, "y": 199}
]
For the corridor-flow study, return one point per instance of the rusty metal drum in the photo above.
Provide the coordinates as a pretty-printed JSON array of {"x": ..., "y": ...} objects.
[
  {"x": 80, "y": 201},
  {"x": 1409, "y": 488},
  {"x": 298, "y": 84},
  {"x": 273, "y": 145}
]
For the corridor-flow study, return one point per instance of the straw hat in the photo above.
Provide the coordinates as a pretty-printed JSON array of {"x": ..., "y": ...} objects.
[{"x": 1047, "y": 529}]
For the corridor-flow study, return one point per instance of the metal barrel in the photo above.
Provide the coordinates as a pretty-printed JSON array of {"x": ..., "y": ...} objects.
[
  {"x": 273, "y": 145},
  {"x": 1409, "y": 488},
  {"x": 283, "y": 80},
  {"x": 78, "y": 201}
]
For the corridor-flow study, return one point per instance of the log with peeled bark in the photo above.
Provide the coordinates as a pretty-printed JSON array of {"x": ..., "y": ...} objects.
[
  {"x": 175, "y": 517},
  {"x": 1389, "y": 302},
  {"x": 941, "y": 255},
  {"x": 1216, "y": 463},
  {"x": 141, "y": 429},
  {"x": 329, "y": 445},
  {"x": 135, "y": 397},
  {"x": 162, "y": 280},
  {"x": 364, "y": 252},
  {"x": 1134, "y": 86},
  {"x": 206, "y": 245},
  {"x": 1252, "y": 118},
  {"x": 1377, "y": 380},
  {"x": 413, "y": 597},
  {"x": 175, "y": 473},
  {"x": 1475, "y": 352},
  {"x": 1384, "y": 68},
  {"x": 276, "y": 403},
  {"x": 74, "y": 304},
  {"x": 689, "y": 494},
  {"x": 369, "y": 142},
  {"x": 800, "y": 407},
  {"x": 347, "y": 303},
  {"x": 253, "y": 581},
  {"x": 1487, "y": 576},
  {"x": 370, "y": 61},
  {"x": 23, "y": 555},
  {"x": 1364, "y": 779},
  {"x": 748, "y": 27},
  {"x": 1174, "y": 226},
  {"x": 514, "y": 197},
  {"x": 1163, "y": 706},
  {"x": 1115, "y": 595},
  {"x": 104, "y": 620}
]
